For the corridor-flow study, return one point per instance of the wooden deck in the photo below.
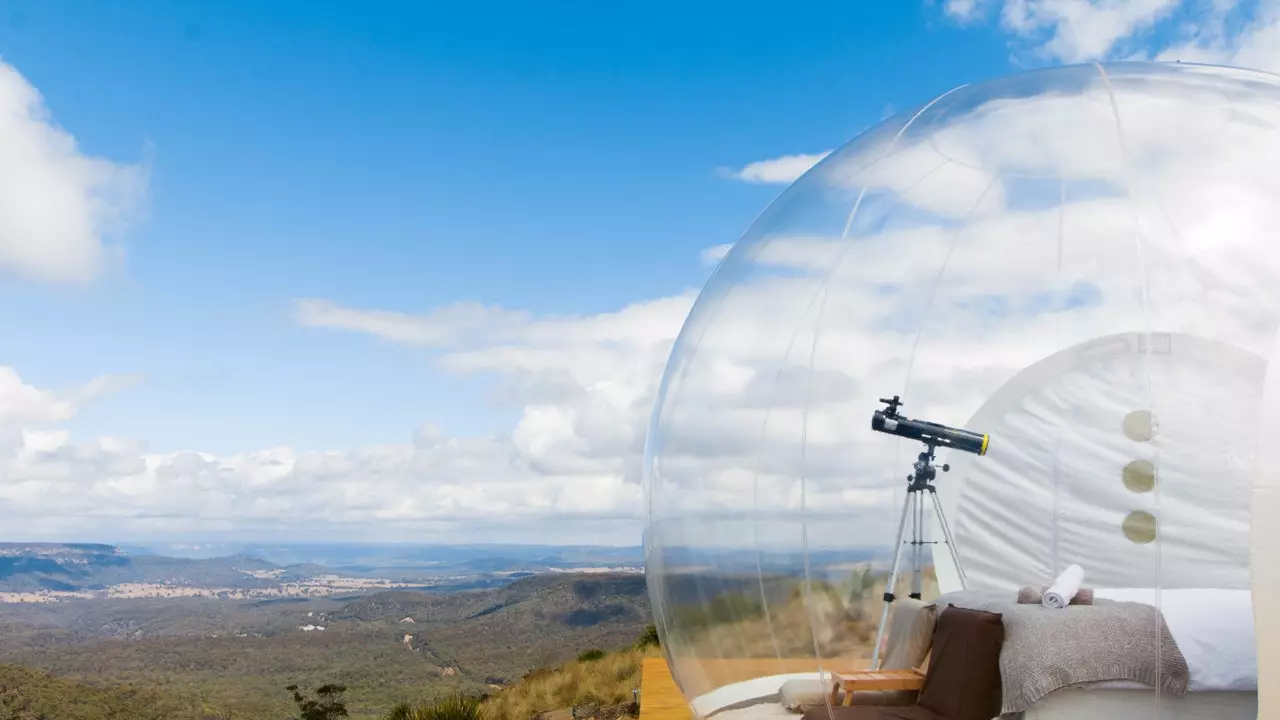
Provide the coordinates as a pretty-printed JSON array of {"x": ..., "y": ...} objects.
[{"x": 660, "y": 696}]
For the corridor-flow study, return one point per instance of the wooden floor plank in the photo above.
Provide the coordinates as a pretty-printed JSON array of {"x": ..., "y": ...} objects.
[{"x": 660, "y": 697}]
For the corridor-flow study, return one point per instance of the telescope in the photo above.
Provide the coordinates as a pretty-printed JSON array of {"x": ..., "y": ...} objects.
[
  {"x": 890, "y": 421},
  {"x": 920, "y": 481}
]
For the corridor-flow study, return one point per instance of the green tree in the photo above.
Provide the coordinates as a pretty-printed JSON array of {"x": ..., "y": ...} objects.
[{"x": 326, "y": 705}]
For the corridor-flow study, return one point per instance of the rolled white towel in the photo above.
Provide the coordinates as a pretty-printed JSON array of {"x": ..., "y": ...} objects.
[{"x": 1064, "y": 588}]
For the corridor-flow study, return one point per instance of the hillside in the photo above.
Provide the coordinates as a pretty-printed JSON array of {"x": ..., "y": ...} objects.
[
  {"x": 603, "y": 680},
  {"x": 505, "y": 632},
  {"x": 240, "y": 655},
  {"x": 27, "y": 694},
  {"x": 31, "y": 567},
  {"x": 595, "y": 679}
]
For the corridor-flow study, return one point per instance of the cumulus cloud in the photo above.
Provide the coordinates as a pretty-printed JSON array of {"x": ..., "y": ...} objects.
[
  {"x": 1081, "y": 30},
  {"x": 567, "y": 471},
  {"x": 431, "y": 487},
  {"x": 1253, "y": 42},
  {"x": 963, "y": 10},
  {"x": 58, "y": 206},
  {"x": 584, "y": 383},
  {"x": 1221, "y": 32},
  {"x": 779, "y": 170}
]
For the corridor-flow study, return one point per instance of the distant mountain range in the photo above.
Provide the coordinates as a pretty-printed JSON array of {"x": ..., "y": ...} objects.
[
  {"x": 383, "y": 559},
  {"x": 29, "y": 567},
  {"x": 87, "y": 567}
]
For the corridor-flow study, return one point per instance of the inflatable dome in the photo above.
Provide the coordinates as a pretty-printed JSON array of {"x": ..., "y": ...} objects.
[{"x": 1012, "y": 351}]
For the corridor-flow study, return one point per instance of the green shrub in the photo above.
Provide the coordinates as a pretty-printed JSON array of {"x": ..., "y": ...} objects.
[
  {"x": 590, "y": 655},
  {"x": 403, "y": 711},
  {"x": 452, "y": 707},
  {"x": 648, "y": 637}
]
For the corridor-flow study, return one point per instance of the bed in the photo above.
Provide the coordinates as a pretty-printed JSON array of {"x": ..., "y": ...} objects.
[
  {"x": 1213, "y": 630},
  {"x": 1084, "y": 704}
]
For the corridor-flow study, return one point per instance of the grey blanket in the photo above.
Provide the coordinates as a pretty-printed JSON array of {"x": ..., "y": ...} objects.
[{"x": 1047, "y": 650}]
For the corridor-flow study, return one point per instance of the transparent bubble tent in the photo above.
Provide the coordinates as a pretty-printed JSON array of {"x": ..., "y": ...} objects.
[{"x": 1081, "y": 265}]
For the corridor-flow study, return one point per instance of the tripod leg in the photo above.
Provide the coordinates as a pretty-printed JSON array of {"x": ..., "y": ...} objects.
[
  {"x": 893, "y": 578},
  {"x": 946, "y": 534},
  {"x": 917, "y": 547}
]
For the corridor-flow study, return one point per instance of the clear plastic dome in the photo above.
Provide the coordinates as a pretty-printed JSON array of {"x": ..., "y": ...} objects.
[{"x": 1081, "y": 264}]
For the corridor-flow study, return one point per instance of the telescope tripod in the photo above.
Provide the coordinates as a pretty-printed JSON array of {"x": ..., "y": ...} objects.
[{"x": 918, "y": 483}]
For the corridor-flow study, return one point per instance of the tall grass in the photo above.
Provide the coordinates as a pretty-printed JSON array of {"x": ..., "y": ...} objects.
[
  {"x": 606, "y": 680},
  {"x": 452, "y": 707}
]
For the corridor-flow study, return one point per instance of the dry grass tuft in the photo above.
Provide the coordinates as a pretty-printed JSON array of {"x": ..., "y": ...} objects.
[{"x": 605, "y": 680}]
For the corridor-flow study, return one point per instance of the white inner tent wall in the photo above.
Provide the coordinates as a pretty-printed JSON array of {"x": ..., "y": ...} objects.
[
  {"x": 1265, "y": 544},
  {"x": 1135, "y": 463}
]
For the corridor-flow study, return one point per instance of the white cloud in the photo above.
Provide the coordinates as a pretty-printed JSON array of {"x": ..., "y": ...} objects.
[
  {"x": 1080, "y": 30},
  {"x": 964, "y": 10},
  {"x": 22, "y": 404},
  {"x": 433, "y": 488},
  {"x": 568, "y": 470},
  {"x": 779, "y": 170},
  {"x": 58, "y": 205},
  {"x": 1255, "y": 44},
  {"x": 715, "y": 253},
  {"x": 443, "y": 327},
  {"x": 1224, "y": 32}
]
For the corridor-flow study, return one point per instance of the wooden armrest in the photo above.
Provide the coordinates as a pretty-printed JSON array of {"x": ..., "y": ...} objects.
[{"x": 870, "y": 680}]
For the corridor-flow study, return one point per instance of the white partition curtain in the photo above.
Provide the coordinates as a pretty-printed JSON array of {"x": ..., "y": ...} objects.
[{"x": 1075, "y": 458}]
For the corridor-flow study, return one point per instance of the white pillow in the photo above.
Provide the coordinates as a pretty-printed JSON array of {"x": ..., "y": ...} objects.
[
  {"x": 800, "y": 695},
  {"x": 1213, "y": 629}
]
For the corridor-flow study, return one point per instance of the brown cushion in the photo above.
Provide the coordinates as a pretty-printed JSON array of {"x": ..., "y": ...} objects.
[{"x": 963, "y": 681}]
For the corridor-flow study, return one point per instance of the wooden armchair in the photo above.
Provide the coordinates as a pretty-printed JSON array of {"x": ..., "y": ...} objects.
[
  {"x": 870, "y": 681},
  {"x": 899, "y": 678}
]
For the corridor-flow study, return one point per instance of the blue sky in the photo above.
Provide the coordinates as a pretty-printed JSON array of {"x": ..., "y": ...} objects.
[
  {"x": 406, "y": 155},
  {"x": 566, "y": 161}
]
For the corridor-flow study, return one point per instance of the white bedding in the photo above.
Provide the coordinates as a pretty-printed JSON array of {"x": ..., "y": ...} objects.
[
  {"x": 746, "y": 691},
  {"x": 1213, "y": 629},
  {"x": 1077, "y": 704}
]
